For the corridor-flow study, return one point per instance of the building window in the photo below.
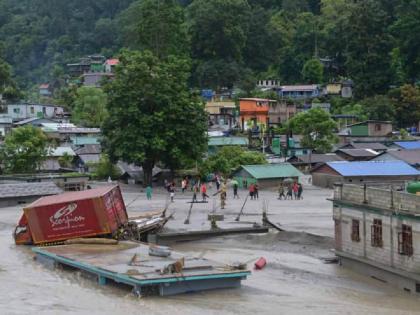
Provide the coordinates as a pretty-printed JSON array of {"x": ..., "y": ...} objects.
[
  {"x": 355, "y": 231},
  {"x": 377, "y": 127},
  {"x": 376, "y": 233},
  {"x": 32, "y": 110},
  {"x": 44, "y": 110},
  {"x": 16, "y": 110},
  {"x": 405, "y": 241}
]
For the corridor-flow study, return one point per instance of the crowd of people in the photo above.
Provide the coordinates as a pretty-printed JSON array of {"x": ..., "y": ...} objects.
[
  {"x": 290, "y": 190},
  {"x": 286, "y": 190}
]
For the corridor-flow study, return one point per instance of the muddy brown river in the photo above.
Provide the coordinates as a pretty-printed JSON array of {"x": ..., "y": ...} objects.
[{"x": 295, "y": 281}]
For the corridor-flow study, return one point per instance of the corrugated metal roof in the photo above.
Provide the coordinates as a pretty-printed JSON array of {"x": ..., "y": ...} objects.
[
  {"x": 225, "y": 141},
  {"x": 319, "y": 158},
  {"x": 373, "y": 168},
  {"x": 90, "y": 158},
  {"x": 408, "y": 145},
  {"x": 412, "y": 157},
  {"x": 367, "y": 145},
  {"x": 359, "y": 152},
  {"x": 28, "y": 189},
  {"x": 89, "y": 149},
  {"x": 84, "y": 140},
  {"x": 267, "y": 171}
]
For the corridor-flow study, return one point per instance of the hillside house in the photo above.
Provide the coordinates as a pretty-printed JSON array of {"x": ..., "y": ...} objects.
[
  {"x": 370, "y": 128},
  {"x": 44, "y": 90},
  {"x": 279, "y": 113},
  {"x": 221, "y": 114},
  {"x": 25, "y": 110},
  {"x": 254, "y": 112},
  {"x": 110, "y": 65},
  {"x": 299, "y": 91}
]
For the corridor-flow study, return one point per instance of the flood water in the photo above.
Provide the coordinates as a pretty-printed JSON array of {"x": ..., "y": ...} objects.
[{"x": 295, "y": 281}]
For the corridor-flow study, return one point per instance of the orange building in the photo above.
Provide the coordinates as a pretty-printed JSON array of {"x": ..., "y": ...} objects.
[{"x": 254, "y": 111}]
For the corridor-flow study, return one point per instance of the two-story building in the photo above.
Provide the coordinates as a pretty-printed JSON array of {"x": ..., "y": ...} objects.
[
  {"x": 221, "y": 114},
  {"x": 369, "y": 130},
  {"x": 280, "y": 112},
  {"x": 27, "y": 110},
  {"x": 308, "y": 91},
  {"x": 377, "y": 233},
  {"x": 254, "y": 112}
]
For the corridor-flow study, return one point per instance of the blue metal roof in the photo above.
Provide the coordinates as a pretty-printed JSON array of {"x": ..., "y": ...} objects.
[
  {"x": 408, "y": 145},
  {"x": 373, "y": 168}
]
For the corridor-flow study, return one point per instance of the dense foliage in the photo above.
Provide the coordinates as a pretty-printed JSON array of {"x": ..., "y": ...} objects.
[
  {"x": 89, "y": 107},
  {"x": 228, "y": 159},
  {"x": 374, "y": 42},
  {"x": 153, "y": 117},
  {"x": 317, "y": 129},
  {"x": 24, "y": 150}
]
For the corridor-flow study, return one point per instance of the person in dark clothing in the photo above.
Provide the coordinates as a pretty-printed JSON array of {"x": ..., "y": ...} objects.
[
  {"x": 289, "y": 192},
  {"x": 235, "y": 191},
  {"x": 256, "y": 188},
  {"x": 300, "y": 191}
]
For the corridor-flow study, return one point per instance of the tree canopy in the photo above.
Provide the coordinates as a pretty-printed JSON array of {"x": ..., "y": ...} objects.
[
  {"x": 153, "y": 117},
  {"x": 317, "y": 129},
  {"x": 89, "y": 107},
  {"x": 24, "y": 150},
  {"x": 228, "y": 159}
]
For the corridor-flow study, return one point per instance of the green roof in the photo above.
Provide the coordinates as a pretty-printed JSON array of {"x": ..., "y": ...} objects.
[
  {"x": 84, "y": 140},
  {"x": 225, "y": 141},
  {"x": 266, "y": 171}
]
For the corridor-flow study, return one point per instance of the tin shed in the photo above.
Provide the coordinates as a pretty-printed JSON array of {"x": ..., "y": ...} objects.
[{"x": 267, "y": 175}]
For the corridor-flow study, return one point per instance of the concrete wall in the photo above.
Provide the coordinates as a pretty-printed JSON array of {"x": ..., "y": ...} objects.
[{"x": 393, "y": 208}]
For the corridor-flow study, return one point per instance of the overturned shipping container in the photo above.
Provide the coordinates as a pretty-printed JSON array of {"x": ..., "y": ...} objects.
[{"x": 95, "y": 212}]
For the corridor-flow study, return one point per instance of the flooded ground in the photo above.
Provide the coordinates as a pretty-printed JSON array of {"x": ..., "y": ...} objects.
[{"x": 295, "y": 280}]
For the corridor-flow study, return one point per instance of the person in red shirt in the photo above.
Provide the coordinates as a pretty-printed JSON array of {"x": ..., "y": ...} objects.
[
  {"x": 252, "y": 190},
  {"x": 204, "y": 191}
]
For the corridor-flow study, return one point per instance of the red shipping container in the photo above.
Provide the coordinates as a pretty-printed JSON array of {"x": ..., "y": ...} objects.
[{"x": 69, "y": 215}]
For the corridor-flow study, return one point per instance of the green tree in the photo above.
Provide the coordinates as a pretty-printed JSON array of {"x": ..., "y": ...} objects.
[
  {"x": 406, "y": 29},
  {"x": 24, "y": 150},
  {"x": 66, "y": 160},
  {"x": 406, "y": 100},
  {"x": 379, "y": 107},
  {"x": 368, "y": 48},
  {"x": 90, "y": 107},
  {"x": 104, "y": 169},
  {"x": 156, "y": 25},
  {"x": 218, "y": 30},
  {"x": 317, "y": 129},
  {"x": 152, "y": 115},
  {"x": 313, "y": 71},
  {"x": 228, "y": 159}
]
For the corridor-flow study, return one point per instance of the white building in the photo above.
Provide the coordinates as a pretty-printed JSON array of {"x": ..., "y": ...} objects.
[{"x": 24, "y": 111}]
